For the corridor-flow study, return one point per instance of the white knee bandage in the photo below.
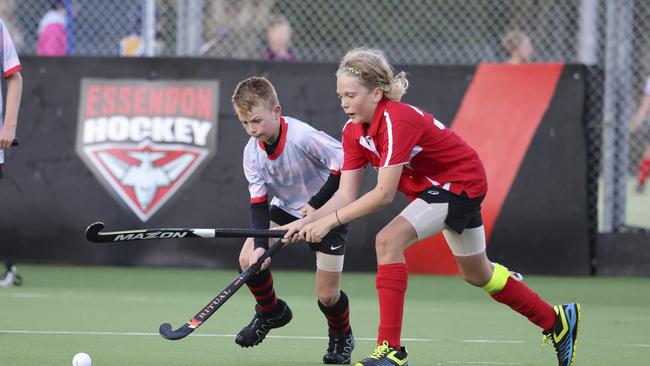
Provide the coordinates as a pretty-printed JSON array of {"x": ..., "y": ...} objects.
[
  {"x": 470, "y": 242},
  {"x": 426, "y": 218},
  {"x": 329, "y": 262}
]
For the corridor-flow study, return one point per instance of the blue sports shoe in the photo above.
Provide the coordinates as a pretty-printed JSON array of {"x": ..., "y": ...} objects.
[{"x": 565, "y": 332}]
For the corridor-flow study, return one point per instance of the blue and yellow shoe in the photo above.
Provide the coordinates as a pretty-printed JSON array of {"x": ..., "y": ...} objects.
[
  {"x": 385, "y": 355},
  {"x": 565, "y": 332}
]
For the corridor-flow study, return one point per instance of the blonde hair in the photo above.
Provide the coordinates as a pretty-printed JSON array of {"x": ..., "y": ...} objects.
[
  {"x": 513, "y": 40},
  {"x": 372, "y": 68},
  {"x": 254, "y": 91}
]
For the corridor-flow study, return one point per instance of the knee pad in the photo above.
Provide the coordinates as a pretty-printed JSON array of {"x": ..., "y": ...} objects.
[
  {"x": 470, "y": 242},
  {"x": 329, "y": 262}
]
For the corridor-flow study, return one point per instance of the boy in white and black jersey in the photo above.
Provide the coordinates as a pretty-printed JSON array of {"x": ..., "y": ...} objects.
[
  {"x": 301, "y": 166},
  {"x": 10, "y": 66}
]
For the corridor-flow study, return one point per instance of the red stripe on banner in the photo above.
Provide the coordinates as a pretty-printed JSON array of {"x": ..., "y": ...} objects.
[{"x": 498, "y": 117}]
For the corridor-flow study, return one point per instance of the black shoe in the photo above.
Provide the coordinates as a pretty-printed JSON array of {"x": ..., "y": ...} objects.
[
  {"x": 255, "y": 332},
  {"x": 10, "y": 277},
  {"x": 340, "y": 348}
]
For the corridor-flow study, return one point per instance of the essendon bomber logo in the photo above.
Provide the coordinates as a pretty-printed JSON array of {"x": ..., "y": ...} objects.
[{"x": 144, "y": 139}]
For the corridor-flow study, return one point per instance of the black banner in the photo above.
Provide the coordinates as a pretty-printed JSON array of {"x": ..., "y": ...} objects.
[{"x": 50, "y": 194}]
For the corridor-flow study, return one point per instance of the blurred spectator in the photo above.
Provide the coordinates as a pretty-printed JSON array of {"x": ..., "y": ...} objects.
[
  {"x": 132, "y": 45},
  {"x": 210, "y": 47},
  {"x": 519, "y": 47},
  {"x": 278, "y": 35},
  {"x": 52, "y": 38},
  {"x": 234, "y": 29},
  {"x": 9, "y": 15},
  {"x": 644, "y": 130}
]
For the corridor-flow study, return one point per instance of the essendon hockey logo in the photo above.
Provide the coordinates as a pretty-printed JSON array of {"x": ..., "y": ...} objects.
[{"x": 144, "y": 139}]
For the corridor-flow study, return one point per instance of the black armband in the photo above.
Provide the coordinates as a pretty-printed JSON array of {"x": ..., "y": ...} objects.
[
  {"x": 326, "y": 192},
  {"x": 259, "y": 217}
]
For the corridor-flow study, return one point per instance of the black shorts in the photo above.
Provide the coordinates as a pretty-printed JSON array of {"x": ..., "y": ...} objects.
[
  {"x": 333, "y": 243},
  {"x": 464, "y": 212}
]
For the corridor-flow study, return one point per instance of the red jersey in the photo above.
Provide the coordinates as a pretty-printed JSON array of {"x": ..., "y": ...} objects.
[{"x": 432, "y": 154}]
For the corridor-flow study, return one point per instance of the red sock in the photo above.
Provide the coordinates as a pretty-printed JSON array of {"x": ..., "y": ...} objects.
[
  {"x": 644, "y": 171},
  {"x": 527, "y": 303},
  {"x": 391, "y": 283},
  {"x": 261, "y": 285}
]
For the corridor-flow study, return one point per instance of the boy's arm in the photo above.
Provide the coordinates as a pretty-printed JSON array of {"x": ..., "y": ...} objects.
[
  {"x": 329, "y": 153},
  {"x": 327, "y": 191},
  {"x": 259, "y": 204},
  {"x": 379, "y": 197},
  {"x": 14, "y": 92},
  {"x": 259, "y": 219},
  {"x": 349, "y": 191}
]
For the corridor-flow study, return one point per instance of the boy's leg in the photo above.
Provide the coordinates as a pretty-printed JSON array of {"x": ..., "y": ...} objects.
[
  {"x": 270, "y": 312},
  {"x": 260, "y": 284},
  {"x": 335, "y": 306},
  {"x": 496, "y": 280},
  {"x": 9, "y": 277},
  {"x": 420, "y": 219},
  {"x": 391, "y": 282}
]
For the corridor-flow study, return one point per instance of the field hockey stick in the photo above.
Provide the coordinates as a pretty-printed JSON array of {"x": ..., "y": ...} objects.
[
  {"x": 93, "y": 234},
  {"x": 14, "y": 142},
  {"x": 203, "y": 315}
]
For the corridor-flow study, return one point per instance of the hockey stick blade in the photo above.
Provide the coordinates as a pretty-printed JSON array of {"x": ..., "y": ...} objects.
[
  {"x": 94, "y": 234},
  {"x": 203, "y": 315}
]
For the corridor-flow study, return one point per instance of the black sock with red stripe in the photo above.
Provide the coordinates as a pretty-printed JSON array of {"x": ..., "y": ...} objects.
[
  {"x": 261, "y": 285},
  {"x": 338, "y": 315}
]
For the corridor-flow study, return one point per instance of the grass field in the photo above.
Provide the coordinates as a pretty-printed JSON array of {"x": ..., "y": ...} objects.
[{"x": 113, "y": 314}]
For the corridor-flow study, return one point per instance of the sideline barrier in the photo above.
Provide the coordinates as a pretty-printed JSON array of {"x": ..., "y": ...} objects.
[{"x": 49, "y": 195}]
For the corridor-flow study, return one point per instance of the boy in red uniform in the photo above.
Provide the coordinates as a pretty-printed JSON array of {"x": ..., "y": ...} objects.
[{"x": 444, "y": 177}]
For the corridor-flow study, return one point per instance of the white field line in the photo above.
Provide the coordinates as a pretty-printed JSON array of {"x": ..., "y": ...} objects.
[
  {"x": 640, "y": 345},
  {"x": 149, "y": 334},
  {"x": 28, "y": 295},
  {"x": 481, "y": 363},
  {"x": 46, "y": 332},
  {"x": 490, "y": 341},
  {"x": 65, "y": 332},
  {"x": 69, "y": 295}
]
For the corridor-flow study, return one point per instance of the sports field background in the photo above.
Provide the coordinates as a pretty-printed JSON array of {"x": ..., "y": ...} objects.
[
  {"x": 637, "y": 209},
  {"x": 113, "y": 313},
  {"x": 638, "y": 206}
]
